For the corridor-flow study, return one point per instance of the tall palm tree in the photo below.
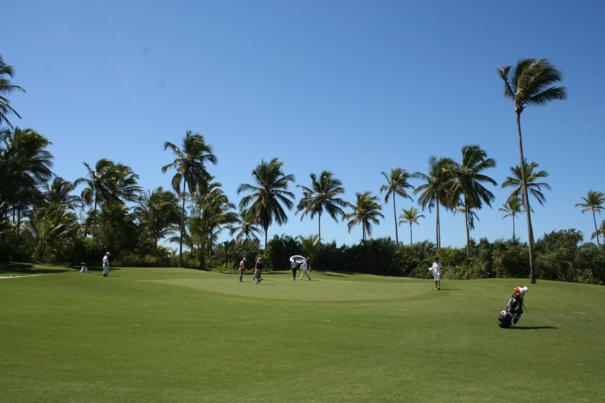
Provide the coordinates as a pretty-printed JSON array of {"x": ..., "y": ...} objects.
[
  {"x": 594, "y": 202},
  {"x": 245, "y": 227},
  {"x": 512, "y": 207},
  {"x": 322, "y": 195},
  {"x": 532, "y": 82},
  {"x": 411, "y": 216},
  {"x": 266, "y": 196},
  {"x": 108, "y": 182},
  {"x": 365, "y": 212},
  {"x": 397, "y": 183},
  {"x": 6, "y": 87},
  {"x": 434, "y": 191},
  {"x": 190, "y": 166},
  {"x": 466, "y": 184},
  {"x": 158, "y": 212}
]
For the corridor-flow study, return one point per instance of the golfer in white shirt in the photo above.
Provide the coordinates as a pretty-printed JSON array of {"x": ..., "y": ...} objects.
[
  {"x": 436, "y": 269},
  {"x": 304, "y": 268},
  {"x": 106, "y": 264}
]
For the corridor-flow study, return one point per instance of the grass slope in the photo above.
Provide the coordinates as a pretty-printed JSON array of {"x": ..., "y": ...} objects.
[{"x": 183, "y": 335}]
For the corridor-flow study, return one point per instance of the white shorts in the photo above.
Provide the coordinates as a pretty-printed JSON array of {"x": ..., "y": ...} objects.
[{"x": 437, "y": 276}]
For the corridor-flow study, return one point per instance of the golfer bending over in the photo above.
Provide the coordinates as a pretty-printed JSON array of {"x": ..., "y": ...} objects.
[
  {"x": 436, "y": 269},
  {"x": 304, "y": 268}
]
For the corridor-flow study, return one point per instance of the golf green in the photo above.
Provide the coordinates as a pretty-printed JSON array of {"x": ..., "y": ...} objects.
[{"x": 186, "y": 335}]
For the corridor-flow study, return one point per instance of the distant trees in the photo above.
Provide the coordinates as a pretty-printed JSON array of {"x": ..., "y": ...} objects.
[
  {"x": 397, "y": 185},
  {"x": 595, "y": 203},
  {"x": 158, "y": 213},
  {"x": 322, "y": 195},
  {"x": 434, "y": 190},
  {"x": 512, "y": 207},
  {"x": 532, "y": 82},
  {"x": 264, "y": 198},
  {"x": 365, "y": 212},
  {"x": 411, "y": 216},
  {"x": 108, "y": 183}
]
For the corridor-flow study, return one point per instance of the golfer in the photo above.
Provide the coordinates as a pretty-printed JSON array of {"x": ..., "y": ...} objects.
[
  {"x": 436, "y": 269},
  {"x": 304, "y": 269},
  {"x": 106, "y": 264},
  {"x": 242, "y": 269},
  {"x": 258, "y": 266},
  {"x": 293, "y": 267},
  {"x": 84, "y": 268}
]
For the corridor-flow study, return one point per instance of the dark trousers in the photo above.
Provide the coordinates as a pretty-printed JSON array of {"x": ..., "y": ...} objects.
[{"x": 294, "y": 270}]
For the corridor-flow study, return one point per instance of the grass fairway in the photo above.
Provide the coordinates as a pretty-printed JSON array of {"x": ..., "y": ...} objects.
[{"x": 184, "y": 335}]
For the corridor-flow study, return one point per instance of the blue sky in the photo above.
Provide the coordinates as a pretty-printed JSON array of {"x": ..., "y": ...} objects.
[{"x": 354, "y": 87}]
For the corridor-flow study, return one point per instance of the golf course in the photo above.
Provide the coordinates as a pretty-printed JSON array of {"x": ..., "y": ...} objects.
[{"x": 190, "y": 335}]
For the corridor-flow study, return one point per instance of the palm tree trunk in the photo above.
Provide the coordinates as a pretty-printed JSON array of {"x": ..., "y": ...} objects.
[
  {"x": 363, "y": 232},
  {"x": 266, "y": 230},
  {"x": 182, "y": 227},
  {"x": 468, "y": 241},
  {"x": 438, "y": 229},
  {"x": 319, "y": 226},
  {"x": 411, "y": 239},
  {"x": 594, "y": 218},
  {"x": 395, "y": 218},
  {"x": 94, "y": 217},
  {"x": 514, "y": 227},
  {"x": 530, "y": 231}
]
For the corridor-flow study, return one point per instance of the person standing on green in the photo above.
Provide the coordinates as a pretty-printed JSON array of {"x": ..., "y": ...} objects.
[
  {"x": 106, "y": 264},
  {"x": 304, "y": 268},
  {"x": 242, "y": 269},
  {"x": 258, "y": 266}
]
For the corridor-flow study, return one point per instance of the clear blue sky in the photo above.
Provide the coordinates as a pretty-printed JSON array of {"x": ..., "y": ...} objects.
[{"x": 354, "y": 87}]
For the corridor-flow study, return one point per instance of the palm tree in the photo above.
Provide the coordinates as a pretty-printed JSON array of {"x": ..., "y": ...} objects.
[
  {"x": 365, "y": 212},
  {"x": 245, "y": 227},
  {"x": 512, "y": 207},
  {"x": 6, "y": 73},
  {"x": 594, "y": 202},
  {"x": 159, "y": 214},
  {"x": 434, "y": 191},
  {"x": 25, "y": 165},
  {"x": 532, "y": 82},
  {"x": 108, "y": 182},
  {"x": 190, "y": 166},
  {"x": 599, "y": 231},
  {"x": 212, "y": 213},
  {"x": 59, "y": 192},
  {"x": 466, "y": 184},
  {"x": 265, "y": 198},
  {"x": 322, "y": 195},
  {"x": 397, "y": 183},
  {"x": 532, "y": 176},
  {"x": 411, "y": 216}
]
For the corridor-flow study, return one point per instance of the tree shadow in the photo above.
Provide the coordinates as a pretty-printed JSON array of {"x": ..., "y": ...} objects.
[
  {"x": 25, "y": 268},
  {"x": 531, "y": 327}
]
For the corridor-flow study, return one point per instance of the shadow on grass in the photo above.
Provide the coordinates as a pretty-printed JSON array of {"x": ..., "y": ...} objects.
[
  {"x": 531, "y": 327},
  {"x": 26, "y": 268}
]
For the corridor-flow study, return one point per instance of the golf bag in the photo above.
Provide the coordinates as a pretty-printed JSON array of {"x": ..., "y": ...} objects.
[{"x": 514, "y": 309}]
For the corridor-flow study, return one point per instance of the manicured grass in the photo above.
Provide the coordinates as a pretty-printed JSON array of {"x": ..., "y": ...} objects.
[{"x": 184, "y": 335}]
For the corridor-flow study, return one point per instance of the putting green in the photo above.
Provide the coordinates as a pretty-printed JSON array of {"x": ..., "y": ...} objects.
[{"x": 281, "y": 286}]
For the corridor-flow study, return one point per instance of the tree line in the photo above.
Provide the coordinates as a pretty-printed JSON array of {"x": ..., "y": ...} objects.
[{"x": 46, "y": 218}]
